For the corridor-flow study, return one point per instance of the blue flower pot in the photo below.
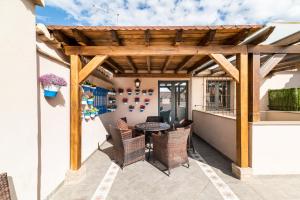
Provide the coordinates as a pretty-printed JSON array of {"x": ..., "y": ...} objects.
[
  {"x": 90, "y": 101},
  {"x": 50, "y": 94}
]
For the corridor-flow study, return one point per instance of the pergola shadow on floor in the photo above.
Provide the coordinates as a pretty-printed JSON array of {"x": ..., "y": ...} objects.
[
  {"x": 171, "y": 51},
  {"x": 209, "y": 177}
]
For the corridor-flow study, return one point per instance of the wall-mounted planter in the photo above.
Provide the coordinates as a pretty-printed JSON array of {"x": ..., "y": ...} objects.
[
  {"x": 150, "y": 92},
  {"x": 90, "y": 101},
  {"x": 87, "y": 115},
  {"x": 131, "y": 108},
  {"x": 142, "y": 108},
  {"x": 144, "y": 92},
  {"x": 147, "y": 102},
  {"x": 51, "y": 90}
]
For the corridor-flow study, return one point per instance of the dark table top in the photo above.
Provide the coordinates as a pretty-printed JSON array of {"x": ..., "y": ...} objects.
[{"x": 152, "y": 126}]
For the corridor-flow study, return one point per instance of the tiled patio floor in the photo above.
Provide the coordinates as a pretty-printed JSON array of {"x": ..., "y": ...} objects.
[{"x": 208, "y": 178}]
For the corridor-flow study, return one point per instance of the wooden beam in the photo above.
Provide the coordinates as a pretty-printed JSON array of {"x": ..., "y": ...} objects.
[
  {"x": 75, "y": 114},
  {"x": 208, "y": 38},
  {"x": 239, "y": 37},
  {"x": 148, "y": 64},
  {"x": 154, "y": 75},
  {"x": 147, "y": 37},
  {"x": 270, "y": 64},
  {"x": 91, "y": 66},
  {"x": 154, "y": 50},
  {"x": 63, "y": 39},
  {"x": 178, "y": 37},
  {"x": 203, "y": 42},
  {"x": 114, "y": 65},
  {"x": 254, "y": 87},
  {"x": 242, "y": 135},
  {"x": 131, "y": 64},
  {"x": 226, "y": 66},
  {"x": 166, "y": 63},
  {"x": 289, "y": 40},
  {"x": 271, "y": 49},
  {"x": 115, "y": 38},
  {"x": 81, "y": 38},
  {"x": 216, "y": 70},
  {"x": 199, "y": 63}
]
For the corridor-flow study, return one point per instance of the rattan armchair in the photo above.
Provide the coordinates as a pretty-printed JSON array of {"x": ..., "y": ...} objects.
[
  {"x": 170, "y": 149},
  {"x": 127, "y": 150},
  {"x": 4, "y": 187}
]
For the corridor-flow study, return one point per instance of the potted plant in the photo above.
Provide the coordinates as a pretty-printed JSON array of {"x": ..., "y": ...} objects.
[
  {"x": 129, "y": 91},
  {"x": 150, "y": 91},
  {"x": 87, "y": 86},
  {"x": 112, "y": 92},
  {"x": 51, "y": 84},
  {"x": 86, "y": 114},
  {"x": 114, "y": 108},
  {"x": 111, "y": 100},
  {"x": 137, "y": 91},
  {"x": 131, "y": 108},
  {"x": 144, "y": 92},
  {"x": 94, "y": 112},
  {"x": 137, "y": 100},
  {"x": 125, "y": 100},
  {"x": 142, "y": 108},
  {"x": 121, "y": 91},
  {"x": 84, "y": 100},
  {"x": 147, "y": 101}
]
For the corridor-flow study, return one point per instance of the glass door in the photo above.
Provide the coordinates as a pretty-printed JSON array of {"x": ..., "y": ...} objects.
[{"x": 173, "y": 100}]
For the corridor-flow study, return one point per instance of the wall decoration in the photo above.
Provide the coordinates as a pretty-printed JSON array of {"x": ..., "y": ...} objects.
[
  {"x": 131, "y": 108},
  {"x": 125, "y": 100},
  {"x": 101, "y": 100},
  {"x": 121, "y": 91},
  {"x": 137, "y": 100},
  {"x": 144, "y": 92},
  {"x": 137, "y": 83},
  {"x": 150, "y": 92},
  {"x": 111, "y": 99},
  {"x": 129, "y": 91},
  {"x": 87, "y": 86},
  {"x": 147, "y": 101},
  {"x": 111, "y": 108},
  {"x": 52, "y": 84},
  {"x": 142, "y": 108},
  {"x": 112, "y": 92},
  {"x": 137, "y": 91}
]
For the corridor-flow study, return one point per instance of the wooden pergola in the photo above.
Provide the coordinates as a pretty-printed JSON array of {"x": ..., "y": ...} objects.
[{"x": 175, "y": 51}]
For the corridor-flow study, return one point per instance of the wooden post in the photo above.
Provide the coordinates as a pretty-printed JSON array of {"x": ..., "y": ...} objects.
[
  {"x": 254, "y": 87},
  {"x": 75, "y": 126},
  {"x": 242, "y": 136}
]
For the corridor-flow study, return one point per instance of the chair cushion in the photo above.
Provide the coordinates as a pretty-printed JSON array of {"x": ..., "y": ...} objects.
[{"x": 122, "y": 125}]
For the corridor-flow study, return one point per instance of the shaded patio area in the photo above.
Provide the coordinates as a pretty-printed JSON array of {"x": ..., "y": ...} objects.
[{"x": 209, "y": 177}]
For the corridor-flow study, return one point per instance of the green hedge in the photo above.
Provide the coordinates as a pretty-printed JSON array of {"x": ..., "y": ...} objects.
[{"x": 285, "y": 99}]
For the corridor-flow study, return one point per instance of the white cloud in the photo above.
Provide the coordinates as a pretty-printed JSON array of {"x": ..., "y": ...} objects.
[{"x": 178, "y": 12}]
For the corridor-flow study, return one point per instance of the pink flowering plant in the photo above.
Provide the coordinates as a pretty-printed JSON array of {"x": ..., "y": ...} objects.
[{"x": 52, "y": 79}]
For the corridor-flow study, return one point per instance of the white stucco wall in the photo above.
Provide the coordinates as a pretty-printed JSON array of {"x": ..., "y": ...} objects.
[
  {"x": 218, "y": 131},
  {"x": 275, "y": 147},
  {"x": 55, "y": 125},
  {"x": 18, "y": 84},
  {"x": 280, "y": 80},
  {"x": 151, "y": 110}
]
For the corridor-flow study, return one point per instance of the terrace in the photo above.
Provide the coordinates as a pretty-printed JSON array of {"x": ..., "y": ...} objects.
[{"x": 185, "y": 66}]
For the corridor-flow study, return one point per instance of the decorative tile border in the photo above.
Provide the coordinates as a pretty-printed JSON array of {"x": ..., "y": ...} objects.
[
  {"x": 106, "y": 183},
  {"x": 219, "y": 184}
]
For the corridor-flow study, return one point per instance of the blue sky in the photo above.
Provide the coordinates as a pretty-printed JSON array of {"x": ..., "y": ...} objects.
[{"x": 167, "y": 12}]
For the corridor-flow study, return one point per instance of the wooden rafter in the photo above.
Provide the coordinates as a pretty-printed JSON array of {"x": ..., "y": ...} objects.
[
  {"x": 148, "y": 63},
  {"x": 216, "y": 70},
  {"x": 166, "y": 63},
  {"x": 116, "y": 41},
  {"x": 154, "y": 50},
  {"x": 178, "y": 37},
  {"x": 153, "y": 75},
  {"x": 203, "y": 42},
  {"x": 114, "y": 65},
  {"x": 226, "y": 66},
  {"x": 63, "y": 39},
  {"x": 90, "y": 67},
  {"x": 81, "y": 38},
  {"x": 270, "y": 64},
  {"x": 199, "y": 63},
  {"x": 289, "y": 40},
  {"x": 147, "y": 37},
  {"x": 208, "y": 38},
  {"x": 273, "y": 49},
  {"x": 239, "y": 37}
]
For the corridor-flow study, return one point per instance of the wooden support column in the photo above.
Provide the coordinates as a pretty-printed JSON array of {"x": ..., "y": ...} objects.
[
  {"x": 254, "y": 87},
  {"x": 242, "y": 137},
  {"x": 75, "y": 126}
]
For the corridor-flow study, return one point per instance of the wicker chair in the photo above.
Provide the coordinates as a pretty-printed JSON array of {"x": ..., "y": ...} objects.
[
  {"x": 4, "y": 187},
  {"x": 123, "y": 126},
  {"x": 127, "y": 150},
  {"x": 188, "y": 124},
  {"x": 171, "y": 149}
]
